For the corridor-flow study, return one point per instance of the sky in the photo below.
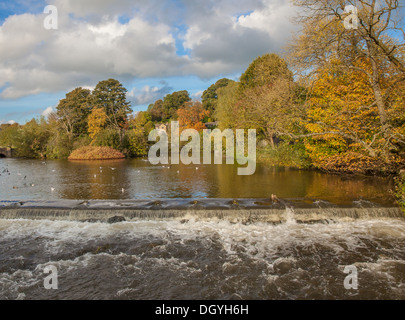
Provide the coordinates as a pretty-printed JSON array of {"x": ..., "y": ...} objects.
[{"x": 153, "y": 47}]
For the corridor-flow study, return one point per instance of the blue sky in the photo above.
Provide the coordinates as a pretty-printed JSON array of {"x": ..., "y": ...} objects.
[{"x": 153, "y": 47}]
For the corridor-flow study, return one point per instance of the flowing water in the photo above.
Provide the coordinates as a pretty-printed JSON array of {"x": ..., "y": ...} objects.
[
  {"x": 202, "y": 260},
  {"x": 233, "y": 242}
]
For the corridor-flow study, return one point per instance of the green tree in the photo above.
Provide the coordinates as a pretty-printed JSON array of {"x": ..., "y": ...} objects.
[
  {"x": 60, "y": 143},
  {"x": 266, "y": 99},
  {"x": 32, "y": 139},
  {"x": 271, "y": 109},
  {"x": 59, "y": 146},
  {"x": 265, "y": 70},
  {"x": 110, "y": 95},
  {"x": 73, "y": 111},
  {"x": 210, "y": 96},
  {"x": 140, "y": 119},
  {"x": 8, "y": 135},
  {"x": 173, "y": 102},
  {"x": 108, "y": 137},
  {"x": 156, "y": 110},
  {"x": 226, "y": 106},
  {"x": 149, "y": 126},
  {"x": 137, "y": 143}
]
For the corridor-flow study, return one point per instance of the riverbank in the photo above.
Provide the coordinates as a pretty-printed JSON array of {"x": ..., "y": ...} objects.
[
  {"x": 350, "y": 163},
  {"x": 284, "y": 155}
]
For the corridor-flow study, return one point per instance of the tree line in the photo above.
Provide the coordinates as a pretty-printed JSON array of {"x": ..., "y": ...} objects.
[{"x": 335, "y": 100}]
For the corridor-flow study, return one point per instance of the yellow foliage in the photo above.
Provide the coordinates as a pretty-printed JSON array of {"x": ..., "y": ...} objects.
[{"x": 96, "y": 122}]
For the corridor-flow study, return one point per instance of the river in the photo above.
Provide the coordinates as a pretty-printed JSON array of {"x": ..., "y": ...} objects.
[
  {"x": 138, "y": 179},
  {"x": 166, "y": 253}
]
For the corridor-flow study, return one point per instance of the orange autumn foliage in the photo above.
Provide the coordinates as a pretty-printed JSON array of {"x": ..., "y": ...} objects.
[
  {"x": 342, "y": 105},
  {"x": 191, "y": 116}
]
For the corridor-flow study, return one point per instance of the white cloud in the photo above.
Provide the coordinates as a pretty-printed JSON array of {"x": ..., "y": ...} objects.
[
  {"x": 47, "y": 111},
  {"x": 81, "y": 54},
  {"x": 148, "y": 95},
  {"x": 270, "y": 19},
  {"x": 198, "y": 95},
  {"x": 91, "y": 44},
  {"x": 225, "y": 40},
  {"x": 195, "y": 36}
]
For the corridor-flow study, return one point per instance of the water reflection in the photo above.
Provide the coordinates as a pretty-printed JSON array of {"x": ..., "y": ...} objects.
[
  {"x": 93, "y": 180},
  {"x": 138, "y": 179}
]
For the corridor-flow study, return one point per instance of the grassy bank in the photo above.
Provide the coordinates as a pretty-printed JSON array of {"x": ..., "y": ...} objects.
[{"x": 284, "y": 155}]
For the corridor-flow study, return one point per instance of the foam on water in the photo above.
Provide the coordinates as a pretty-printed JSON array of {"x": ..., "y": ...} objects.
[
  {"x": 212, "y": 259},
  {"x": 290, "y": 216},
  {"x": 60, "y": 232}
]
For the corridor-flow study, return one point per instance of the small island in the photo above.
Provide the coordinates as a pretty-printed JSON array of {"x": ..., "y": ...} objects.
[{"x": 96, "y": 153}]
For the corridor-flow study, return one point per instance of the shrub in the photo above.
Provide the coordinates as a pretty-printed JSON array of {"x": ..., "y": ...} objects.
[
  {"x": 107, "y": 138},
  {"x": 284, "y": 154},
  {"x": 81, "y": 141},
  {"x": 136, "y": 143},
  {"x": 59, "y": 147},
  {"x": 32, "y": 138},
  {"x": 96, "y": 153}
]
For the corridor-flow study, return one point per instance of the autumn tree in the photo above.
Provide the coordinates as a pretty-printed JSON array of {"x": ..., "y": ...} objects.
[
  {"x": 110, "y": 95},
  {"x": 191, "y": 116},
  {"x": 272, "y": 109},
  {"x": 371, "y": 53},
  {"x": 334, "y": 109},
  {"x": 227, "y": 106},
  {"x": 265, "y": 99},
  {"x": 342, "y": 130},
  {"x": 163, "y": 110},
  {"x": 265, "y": 70},
  {"x": 72, "y": 112},
  {"x": 140, "y": 119},
  {"x": 96, "y": 122}
]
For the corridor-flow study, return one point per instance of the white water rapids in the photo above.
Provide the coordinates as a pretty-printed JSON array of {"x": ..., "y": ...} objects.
[{"x": 210, "y": 259}]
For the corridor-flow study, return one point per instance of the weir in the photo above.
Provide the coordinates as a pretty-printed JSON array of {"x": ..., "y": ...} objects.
[{"x": 233, "y": 210}]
